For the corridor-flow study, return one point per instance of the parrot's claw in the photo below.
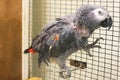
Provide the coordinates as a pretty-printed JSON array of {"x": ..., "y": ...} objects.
[
  {"x": 101, "y": 38},
  {"x": 90, "y": 54},
  {"x": 93, "y": 45},
  {"x": 65, "y": 73},
  {"x": 88, "y": 51},
  {"x": 97, "y": 46}
]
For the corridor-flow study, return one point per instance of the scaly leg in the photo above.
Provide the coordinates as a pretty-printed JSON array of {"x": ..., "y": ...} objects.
[{"x": 65, "y": 72}]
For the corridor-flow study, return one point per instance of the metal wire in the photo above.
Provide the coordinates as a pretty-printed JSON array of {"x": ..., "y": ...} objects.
[{"x": 105, "y": 63}]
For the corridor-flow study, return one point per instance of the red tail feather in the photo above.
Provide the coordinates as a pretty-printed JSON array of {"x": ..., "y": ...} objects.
[{"x": 31, "y": 50}]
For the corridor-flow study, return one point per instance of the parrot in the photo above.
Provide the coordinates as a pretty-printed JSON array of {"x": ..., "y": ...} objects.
[{"x": 66, "y": 35}]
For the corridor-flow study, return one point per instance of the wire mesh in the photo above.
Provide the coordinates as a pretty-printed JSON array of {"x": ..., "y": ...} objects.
[{"x": 105, "y": 63}]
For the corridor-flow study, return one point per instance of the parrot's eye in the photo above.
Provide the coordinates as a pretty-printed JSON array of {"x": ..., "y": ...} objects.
[{"x": 99, "y": 12}]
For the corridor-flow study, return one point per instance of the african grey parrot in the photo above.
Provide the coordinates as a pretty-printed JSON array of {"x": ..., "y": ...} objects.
[{"x": 66, "y": 35}]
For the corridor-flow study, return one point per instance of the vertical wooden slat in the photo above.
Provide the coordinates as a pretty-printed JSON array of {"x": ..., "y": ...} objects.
[{"x": 10, "y": 39}]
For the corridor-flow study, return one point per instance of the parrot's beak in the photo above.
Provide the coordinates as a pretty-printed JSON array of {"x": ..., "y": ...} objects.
[{"x": 107, "y": 23}]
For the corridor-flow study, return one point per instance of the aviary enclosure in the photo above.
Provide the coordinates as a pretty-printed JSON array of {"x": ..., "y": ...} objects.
[{"x": 105, "y": 63}]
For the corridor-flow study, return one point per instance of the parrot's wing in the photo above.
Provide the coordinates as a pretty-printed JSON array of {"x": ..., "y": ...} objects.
[
  {"x": 61, "y": 40},
  {"x": 55, "y": 37},
  {"x": 45, "y": 32}
]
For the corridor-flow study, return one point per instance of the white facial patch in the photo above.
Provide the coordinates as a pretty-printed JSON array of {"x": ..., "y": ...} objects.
[{"x": 100, "y": 14}]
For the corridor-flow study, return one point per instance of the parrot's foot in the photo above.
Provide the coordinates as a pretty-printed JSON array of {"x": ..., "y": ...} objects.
[
  {"x": 89, "y": 53},
  {"x": 65, "y": 73},
  {"x": 93, "y": 45},
  {"x": 88, "y": 50}
]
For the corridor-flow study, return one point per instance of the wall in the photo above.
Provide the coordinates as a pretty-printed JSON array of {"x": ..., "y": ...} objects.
[{"x": 10, "y": 39}]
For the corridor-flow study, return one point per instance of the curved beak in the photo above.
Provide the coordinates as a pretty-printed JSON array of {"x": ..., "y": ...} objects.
[{"x": 107, "y": 23}]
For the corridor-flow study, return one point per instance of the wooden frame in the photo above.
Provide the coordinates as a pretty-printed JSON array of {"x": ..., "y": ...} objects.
[{"x": 25, "y": 37}]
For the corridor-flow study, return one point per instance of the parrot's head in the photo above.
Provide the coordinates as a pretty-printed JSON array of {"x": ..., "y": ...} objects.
[
  {"x": 94, "y": 17},
  {"x": 101, "y": 17}
]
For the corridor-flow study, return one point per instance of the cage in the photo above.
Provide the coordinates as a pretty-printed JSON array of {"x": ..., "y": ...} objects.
[{"x": 105, "y": 63}]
